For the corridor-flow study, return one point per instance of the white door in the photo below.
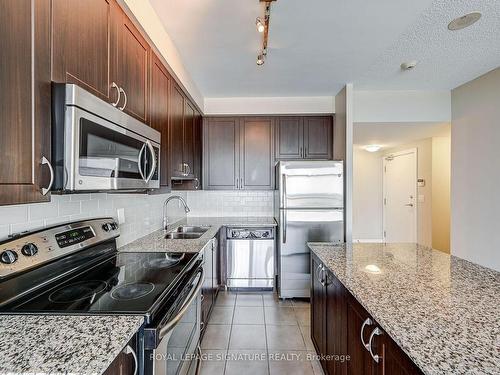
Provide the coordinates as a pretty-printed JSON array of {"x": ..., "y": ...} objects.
[{"x": 400, "y": 196}]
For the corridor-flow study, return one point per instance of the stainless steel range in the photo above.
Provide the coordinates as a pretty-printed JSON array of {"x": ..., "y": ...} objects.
[{"x": 75, "y": 269}]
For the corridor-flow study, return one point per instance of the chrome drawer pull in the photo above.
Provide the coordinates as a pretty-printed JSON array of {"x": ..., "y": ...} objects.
[
  {"x": 377, "y": 331},
  {"x": 114, "y": 85},
  {"x": 128, "y": 350},
  {"x": 367, "y": 322},
  {"x": 47, "y": 189}
]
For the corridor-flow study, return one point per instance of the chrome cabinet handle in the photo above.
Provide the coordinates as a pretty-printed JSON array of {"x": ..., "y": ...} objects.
[
  {"x": 323, "y": 276},
  {"x": 377, "y": 331},
  {"x": 318, "y": 271},
  {"x": 367, "y": 322},
  {"x": 128, "y": 350},
  {"x": 196, "y": 184},
  {"x": 301, "y": 154},
  {"x": 118, "y": 90},
  {"x": 305, "y": 152},
  {"x": 125, "y": 96},
  {"x": 153, "y": 158},
  {"x": 188, "y": 169},
  {"x": 51, "y": 181},
  {"x": 139, "y": 160}
]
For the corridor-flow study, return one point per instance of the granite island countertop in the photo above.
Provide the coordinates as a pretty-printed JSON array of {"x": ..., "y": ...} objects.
[
  {"x": 443, "y": 311},
  {"x": 62, "y": 344},
  {"x": 156, "y": 241}
]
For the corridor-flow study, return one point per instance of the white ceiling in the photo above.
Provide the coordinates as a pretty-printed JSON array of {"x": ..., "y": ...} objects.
[
  {"x": 317, "y": 46},
  {"x": 397, "y": 133}
]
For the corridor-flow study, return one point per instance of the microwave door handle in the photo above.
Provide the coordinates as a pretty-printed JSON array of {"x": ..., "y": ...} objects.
[
  {"x": 139, "y": 160},
  {"x": 153, "y": 158},
  {"x": 171, "y": 324}
]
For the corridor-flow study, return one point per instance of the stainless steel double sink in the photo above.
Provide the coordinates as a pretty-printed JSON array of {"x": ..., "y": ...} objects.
[{"x": 186, "y": 232}]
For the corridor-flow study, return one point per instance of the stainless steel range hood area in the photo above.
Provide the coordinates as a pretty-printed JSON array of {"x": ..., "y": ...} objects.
[{"x": 98, "y": 147}]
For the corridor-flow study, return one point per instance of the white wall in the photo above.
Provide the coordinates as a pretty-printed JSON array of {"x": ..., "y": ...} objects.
[
  {"x": 402, "y": 106},
  {"x": 269, "y": 106},
  {"x": 367, "y": 223},
  {"x": 143, "y": 213},
  {"x": 475, "y": 170},
  {"x": 146, "y": 16}
]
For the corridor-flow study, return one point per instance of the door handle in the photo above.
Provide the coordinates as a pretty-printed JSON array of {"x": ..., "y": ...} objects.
[
  {"x": 367, "y": 322},
  {"x": 118, "y": 90},
  {"x": 377, "y": 331},
  {"x": 409, "y": 204},
  {"x": 139, "y": 161},
  {"x": 125, "y": 96},
  {"x": 153, "y": 158},
  {"x": 44, "y": 161},
  {"x": 128, "y": 350}
]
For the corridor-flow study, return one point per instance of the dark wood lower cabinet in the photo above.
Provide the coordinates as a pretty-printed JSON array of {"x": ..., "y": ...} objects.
[
  {"x": 341, "y": 330},
  {"x": 211, "y": 285},
  {"x": 124, "y": 363}
]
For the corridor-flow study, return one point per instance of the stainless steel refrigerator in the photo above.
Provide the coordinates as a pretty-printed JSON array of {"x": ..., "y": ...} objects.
[{"x": 309, "y": 207}]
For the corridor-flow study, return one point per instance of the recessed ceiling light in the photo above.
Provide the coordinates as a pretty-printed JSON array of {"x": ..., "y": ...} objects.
[
  {"x": 464, "y": 21},
  {"x": 372, "y": 148},
  {"x": 408, "y": 65}
]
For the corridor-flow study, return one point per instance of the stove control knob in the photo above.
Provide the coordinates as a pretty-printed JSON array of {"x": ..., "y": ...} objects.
[
  {"x": 29, "y": 249},
  {"x": 8, "y": 257},
  {"x": 106, "y": 227}
]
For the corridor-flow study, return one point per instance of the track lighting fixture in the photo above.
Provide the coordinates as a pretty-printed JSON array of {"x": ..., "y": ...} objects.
[{"x": 260, "y": 25}]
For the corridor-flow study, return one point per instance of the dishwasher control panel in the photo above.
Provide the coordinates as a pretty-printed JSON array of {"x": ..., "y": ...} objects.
[{"x": 250, "y": 233}]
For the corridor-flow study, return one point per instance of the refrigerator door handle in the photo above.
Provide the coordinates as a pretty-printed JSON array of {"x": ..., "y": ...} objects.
[{"x": 284, "y": 225}]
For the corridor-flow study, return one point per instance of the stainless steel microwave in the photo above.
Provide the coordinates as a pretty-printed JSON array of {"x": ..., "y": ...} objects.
[{"x": 97, "y": 147}]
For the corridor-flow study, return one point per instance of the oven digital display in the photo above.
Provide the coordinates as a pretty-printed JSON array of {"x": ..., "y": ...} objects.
[{"x": 74, "y": 236}]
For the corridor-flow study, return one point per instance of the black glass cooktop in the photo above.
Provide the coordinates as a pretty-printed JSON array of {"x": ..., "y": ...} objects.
[{"x": 125, "y": 283}]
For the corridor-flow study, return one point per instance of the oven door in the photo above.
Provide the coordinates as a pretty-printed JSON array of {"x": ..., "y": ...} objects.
[
  {"x": 100, "y": 155},
  {"x": 179, "y": 338}
]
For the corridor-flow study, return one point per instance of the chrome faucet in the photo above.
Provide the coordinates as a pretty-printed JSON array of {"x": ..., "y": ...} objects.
[{"x": 165, "y": 217}]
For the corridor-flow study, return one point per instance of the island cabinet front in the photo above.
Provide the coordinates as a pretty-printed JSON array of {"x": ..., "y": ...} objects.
[{"x": 348, "y": 341}]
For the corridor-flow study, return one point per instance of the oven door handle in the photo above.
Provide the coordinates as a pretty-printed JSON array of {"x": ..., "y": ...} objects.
[{"x": 170, "y": 325}]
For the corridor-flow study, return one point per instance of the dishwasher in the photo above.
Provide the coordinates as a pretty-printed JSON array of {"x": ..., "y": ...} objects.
[{"x": 250, "y": 258}]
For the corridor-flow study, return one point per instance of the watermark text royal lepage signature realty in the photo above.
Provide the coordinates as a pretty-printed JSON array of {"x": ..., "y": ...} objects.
[{"x": 282, "y": 356}]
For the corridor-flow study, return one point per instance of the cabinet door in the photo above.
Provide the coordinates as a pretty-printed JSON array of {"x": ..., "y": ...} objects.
[
  {"x": 221, "y": 153},
  {"x": 336, "y": 325},
  {"x": 360, "y": 361},
  {"x": 159, "y": 113},
  {"x": 189, "y": 130},
  {"x": 256, "y": 153},
  {"x": 130, "y": 68},
  {"x": 80, "y": 44},
  {"x": 25, "y": 99},
  {"x": 289, "y": 138},
  {"x": 395, "y": 361},
  {"x": 318, "y": 308},
  {"x": 198, "y": 149},
  {"x": 318, "y": 137},
  {"x": 176, "y": 131}
]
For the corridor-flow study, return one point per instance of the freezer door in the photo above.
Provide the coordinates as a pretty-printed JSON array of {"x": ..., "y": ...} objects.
[
  {"x": 311, "y": 184},
  {"x": 297, "y": 227}
]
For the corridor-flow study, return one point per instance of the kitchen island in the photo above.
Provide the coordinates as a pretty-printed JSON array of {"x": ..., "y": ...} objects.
[
  {"x": 61, "y": 344},
  {"x": 442, "y": 311}
]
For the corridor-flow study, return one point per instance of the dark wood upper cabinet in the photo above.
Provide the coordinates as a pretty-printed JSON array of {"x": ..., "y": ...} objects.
[
  {"x": 25, "y": 100},
  {"x": 198, "y": 150},
  {"x": 289, "y": 138},
  {"x": 318, "y": 137},
  {"x": 159, "y": 113},
  {"x": 256, "y": 153},
  {"x": 130, "y": 65},
  {"x": 176, "y": 131},
  {"x": 81, "y": 44},
  {"x": 221, "y": 145},
  {"x": 304, "y": 137}
]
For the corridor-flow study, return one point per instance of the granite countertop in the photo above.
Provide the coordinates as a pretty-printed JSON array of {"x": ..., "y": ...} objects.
[
  {"x": 443, "y": 311},
  {"x": 156, "y": 241},
  {"x": 56, "y": 344}
]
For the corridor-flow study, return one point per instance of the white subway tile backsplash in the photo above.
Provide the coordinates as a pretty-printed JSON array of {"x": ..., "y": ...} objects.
[
  {"x": 14, "y": 214},
  {"x": 69, "y": 208}
]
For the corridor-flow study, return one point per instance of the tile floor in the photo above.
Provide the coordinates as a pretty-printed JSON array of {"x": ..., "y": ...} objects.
[{"x": 257, "y": 334}]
